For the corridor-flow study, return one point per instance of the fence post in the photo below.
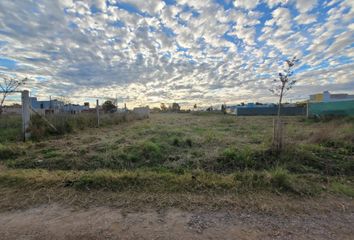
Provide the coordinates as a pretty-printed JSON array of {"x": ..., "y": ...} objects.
[
  {"x": 307, "y": 109},
  {"x": 98, "y": 113},
  {"x": 26, "y": 117}
]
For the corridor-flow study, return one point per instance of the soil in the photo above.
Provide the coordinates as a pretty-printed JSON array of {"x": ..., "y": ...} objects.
[{"x": 59, "y": 222}]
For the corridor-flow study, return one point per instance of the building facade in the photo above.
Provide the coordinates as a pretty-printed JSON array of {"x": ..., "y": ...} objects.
[
  {"x": 326, "y": 96},
  {"x": 56, "y": 106},
  {"x": 327, "y": 104}
]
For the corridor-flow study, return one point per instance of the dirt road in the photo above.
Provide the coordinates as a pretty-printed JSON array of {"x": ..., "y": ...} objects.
[{"x": 56, "y": 222}]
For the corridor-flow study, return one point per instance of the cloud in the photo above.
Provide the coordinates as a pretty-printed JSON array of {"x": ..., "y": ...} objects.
[
  {"x": 305, "y": 19},
  {"x": 305, "y": 5},
  {"x": 149, "y": 6},
  {"x": 246, "y": 4},
  {"x": 274, "y": 3},
  {"x": 189, "y": 51}
]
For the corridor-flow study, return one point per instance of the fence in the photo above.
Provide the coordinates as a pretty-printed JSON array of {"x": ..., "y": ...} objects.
[
  {"x": 271, "y": 111},
  {"x": 61, "y": 122},
  {"x": 340, "y": 108}
]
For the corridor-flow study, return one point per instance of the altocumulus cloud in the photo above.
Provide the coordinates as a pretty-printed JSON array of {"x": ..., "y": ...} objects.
[{"x": 190, "y": 51}]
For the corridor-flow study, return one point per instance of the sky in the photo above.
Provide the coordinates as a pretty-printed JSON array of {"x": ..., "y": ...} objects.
[{"x": 204, "y": 52}]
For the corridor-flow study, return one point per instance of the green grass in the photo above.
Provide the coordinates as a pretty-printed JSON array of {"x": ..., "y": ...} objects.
[
  {"x": 10, "y": 125},
  {"x": 9, "y": 152},
  {"x": 10, "y": 128},
  {"x": 162, "y": 181},
  {"x": 342, "y": 188},
  {"x": 279, "y": 180},
  {"x": 189, "y": 153}
]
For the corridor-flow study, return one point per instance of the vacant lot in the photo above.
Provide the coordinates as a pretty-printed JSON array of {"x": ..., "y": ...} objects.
[{"x": 196, "y": 162}]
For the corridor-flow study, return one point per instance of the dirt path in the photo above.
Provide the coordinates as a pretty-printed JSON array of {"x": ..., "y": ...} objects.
[{"x": 55, "y": 222}]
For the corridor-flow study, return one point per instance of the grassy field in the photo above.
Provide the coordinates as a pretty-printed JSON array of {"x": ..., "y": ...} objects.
[{"x": 174, "y": 154}]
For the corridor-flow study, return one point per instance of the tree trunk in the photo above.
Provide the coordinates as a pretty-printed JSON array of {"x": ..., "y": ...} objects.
[
  {"x": 277, "y": 134},
  {"x": 280, "y": 99},
  {"x": 2, "y": 102}
]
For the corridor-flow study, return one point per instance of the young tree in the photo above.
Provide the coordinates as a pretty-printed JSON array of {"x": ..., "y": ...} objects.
[
  {"x": 280, "y": 87},
  {"x": 283, "y": 84},
  {"x": 9, "y": 85}
]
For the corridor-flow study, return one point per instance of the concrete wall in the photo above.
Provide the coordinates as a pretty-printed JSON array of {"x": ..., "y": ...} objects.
[
  {"x": 11, "y": 110},
  {"x": 339, "y": 108},
  {"x": 74, "y": 108},
  {"x": 271, "y": 111}
]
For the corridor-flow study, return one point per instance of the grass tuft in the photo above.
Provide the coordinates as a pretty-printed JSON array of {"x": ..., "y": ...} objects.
[
  {"x": 342, "y": 188},
  {"x": 8, "y": 152}
]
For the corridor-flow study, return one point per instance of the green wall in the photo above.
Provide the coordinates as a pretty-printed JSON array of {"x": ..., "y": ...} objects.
[{"x": 345, "y": 108}]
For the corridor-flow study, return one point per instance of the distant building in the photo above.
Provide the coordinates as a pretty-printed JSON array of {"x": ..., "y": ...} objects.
[
  {"x": 327, "y": 104},
  {"x": 326, "y": 96},
  {"x": 233, "y": 108},
  {"x": 13, "y": 109},
  {"x": 258, "y": 109},
  {"x": 56, "y": 106},
  {"x": 47, "y": 106},
  {"x": 75, "y": 108}
]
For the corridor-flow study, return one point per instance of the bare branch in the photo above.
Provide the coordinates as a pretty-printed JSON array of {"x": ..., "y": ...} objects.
[{"x": 8, "y": 86}]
